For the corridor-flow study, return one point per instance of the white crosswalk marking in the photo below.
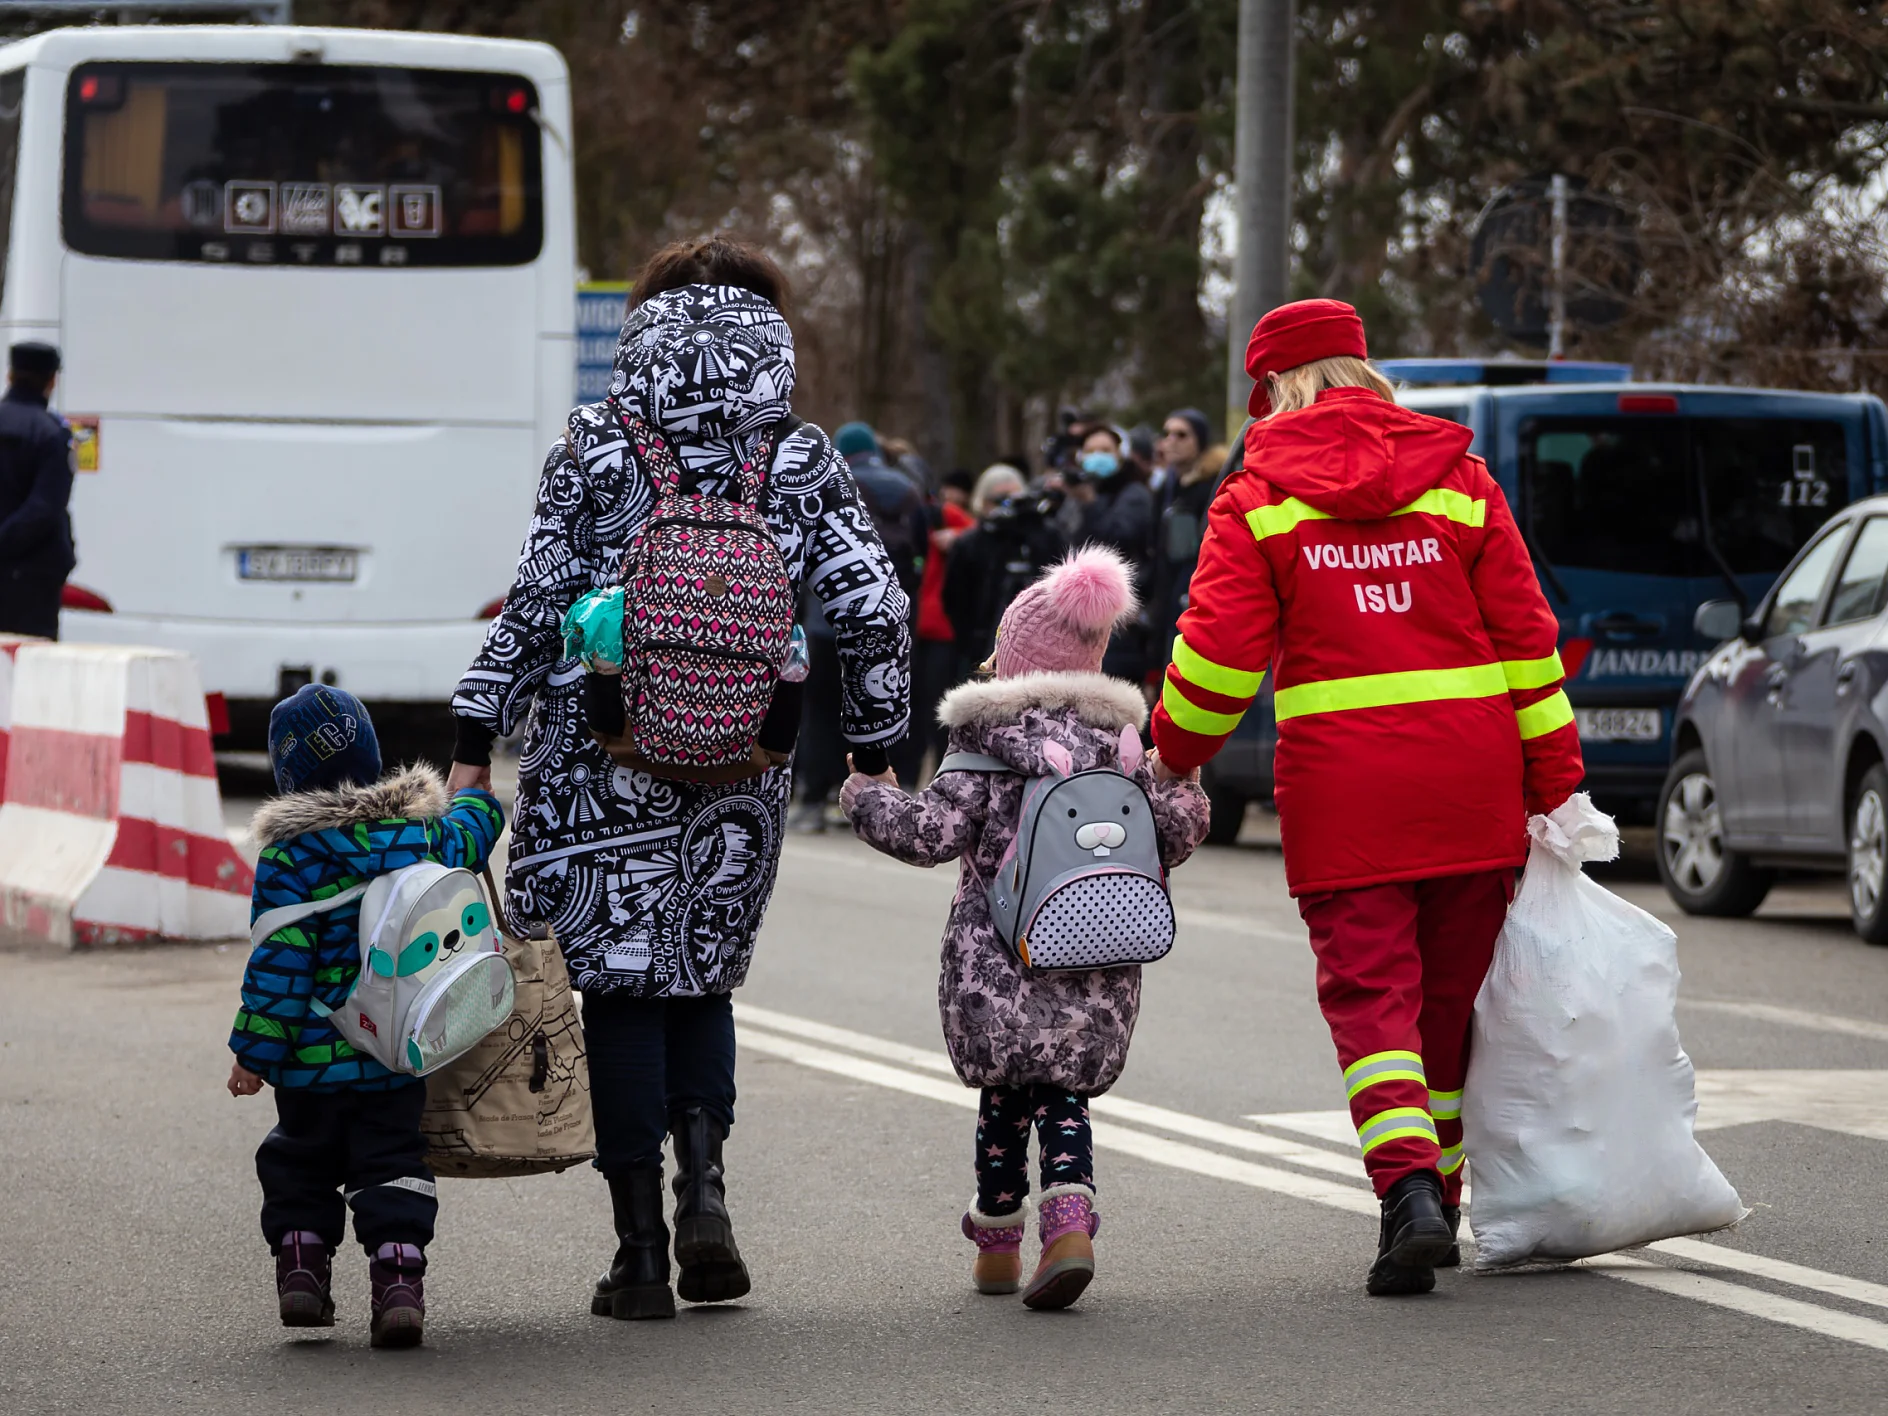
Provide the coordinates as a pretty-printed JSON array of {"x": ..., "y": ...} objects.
[{"x": 922, "y": 1072}]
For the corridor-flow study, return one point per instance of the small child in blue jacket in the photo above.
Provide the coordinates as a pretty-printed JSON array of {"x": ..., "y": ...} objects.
[{"x": 347, "y": 1130}]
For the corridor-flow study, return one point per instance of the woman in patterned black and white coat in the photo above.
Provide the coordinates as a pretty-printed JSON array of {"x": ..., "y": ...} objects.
[{"x": 655, "y": 888}]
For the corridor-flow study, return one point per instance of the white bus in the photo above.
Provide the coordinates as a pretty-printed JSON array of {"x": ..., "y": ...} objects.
[{"x": 314, "y": 294}]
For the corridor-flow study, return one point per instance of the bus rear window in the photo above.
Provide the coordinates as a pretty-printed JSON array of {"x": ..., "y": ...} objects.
[
  {"x": 278, "y": 164},
  {"x": 1768, "y": 484}
]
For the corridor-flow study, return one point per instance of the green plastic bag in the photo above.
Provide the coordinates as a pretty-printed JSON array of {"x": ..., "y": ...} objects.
[{"x": 593, "y": 631}]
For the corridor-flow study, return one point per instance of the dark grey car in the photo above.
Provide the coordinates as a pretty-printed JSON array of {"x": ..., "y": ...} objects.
[{"x": 1778, "y": 742}]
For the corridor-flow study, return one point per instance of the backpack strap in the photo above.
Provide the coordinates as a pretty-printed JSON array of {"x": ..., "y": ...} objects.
[
  {"x": 973, "y": 762},
  {"x": 271, "y": 920}
]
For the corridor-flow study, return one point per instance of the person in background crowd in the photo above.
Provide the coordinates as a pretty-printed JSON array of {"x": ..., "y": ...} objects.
[
  {"x": 903, "y": 458},
  {"x": 653, "y": 887},
  {"x": 1402, "y": 859},
  {"x": 36, "y": 553},
  {"x": 1014, "y": 541},
  {"x": 1117, "y": 511},
  {"x": 936, "y": 665},
  {"x": 1192, "y": 477},
  {"x": 896, "y": 507},
  {"x": 1142, "y": 448},
  {"x": 898, "y": 513}
]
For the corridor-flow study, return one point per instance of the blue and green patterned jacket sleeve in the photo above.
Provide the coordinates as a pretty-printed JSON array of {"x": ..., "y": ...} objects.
[{"x": 276, "y": 1034}]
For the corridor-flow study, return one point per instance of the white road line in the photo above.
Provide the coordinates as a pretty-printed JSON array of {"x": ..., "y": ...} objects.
[
  {"x": 1108, "y": 1136},
  {"x": 1855, "y": 1290},
  {"x": 1791, "y": 1017},
  {"x": 1701, "y": 1288},
  {"x": 1754, "y": 1302},
  {"x": 1158, "y": 1117}
]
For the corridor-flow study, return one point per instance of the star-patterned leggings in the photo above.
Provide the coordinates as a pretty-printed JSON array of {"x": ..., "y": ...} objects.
[{"x": 1062, "y": 1135}]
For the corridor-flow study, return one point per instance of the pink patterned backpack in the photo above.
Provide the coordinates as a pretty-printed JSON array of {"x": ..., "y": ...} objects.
[{"x": 707, "y": 618}]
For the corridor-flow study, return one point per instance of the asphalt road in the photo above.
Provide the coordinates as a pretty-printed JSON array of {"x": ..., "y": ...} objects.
[{"x": 133, "y": 1278}]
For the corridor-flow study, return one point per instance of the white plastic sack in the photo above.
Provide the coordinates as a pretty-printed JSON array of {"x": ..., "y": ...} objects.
[{"x": 1579, "y": 1102}]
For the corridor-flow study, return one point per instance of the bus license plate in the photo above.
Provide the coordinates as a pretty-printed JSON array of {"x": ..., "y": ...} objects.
[
  {"x": 1619, "y": 724},
  {"x": 297, "y": 563}
]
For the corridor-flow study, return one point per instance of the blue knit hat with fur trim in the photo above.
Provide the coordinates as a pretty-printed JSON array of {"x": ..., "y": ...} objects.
[{"x": 322, "y": 737}]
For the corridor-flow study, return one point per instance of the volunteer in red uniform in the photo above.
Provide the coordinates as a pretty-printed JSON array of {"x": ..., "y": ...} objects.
[{"x": 1372, "y": 564}]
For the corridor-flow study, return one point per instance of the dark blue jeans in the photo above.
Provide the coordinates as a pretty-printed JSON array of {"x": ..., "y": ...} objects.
[{"x": 650, "y": 1058}]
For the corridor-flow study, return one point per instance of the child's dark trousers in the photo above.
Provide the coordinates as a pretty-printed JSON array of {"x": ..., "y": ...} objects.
[{"x": 334, "y": 1149}]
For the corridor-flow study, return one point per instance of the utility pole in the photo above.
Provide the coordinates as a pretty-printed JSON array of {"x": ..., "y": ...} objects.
[{"x": 1261, "y": 183}]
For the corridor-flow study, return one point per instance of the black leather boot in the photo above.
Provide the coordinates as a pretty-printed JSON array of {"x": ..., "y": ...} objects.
[
  {"x": 711, "y": 1267},
  {"x": 637, "y": 1285},
  {"x": 1452, "y": 1259},
  {"x": 1415, "y": 1237}
]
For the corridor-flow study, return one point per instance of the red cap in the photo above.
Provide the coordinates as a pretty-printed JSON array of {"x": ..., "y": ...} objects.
[{"x": 1300, "y": 333}]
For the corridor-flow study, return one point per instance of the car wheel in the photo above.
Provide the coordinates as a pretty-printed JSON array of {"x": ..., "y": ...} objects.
[
  {"x": 1229, "y": 810},
  {"x": 1701, "y": 874},
  {"x": 1868, "y": 856}
]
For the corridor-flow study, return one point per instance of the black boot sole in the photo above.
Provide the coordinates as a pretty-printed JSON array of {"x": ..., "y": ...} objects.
[
  {"x": 647, "y": 1300},
  {"x": 710, "y": 1266}
]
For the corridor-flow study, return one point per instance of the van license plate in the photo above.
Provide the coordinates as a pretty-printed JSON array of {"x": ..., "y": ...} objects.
[
  {"x": 297, "y": 563},
  {"x": 1619, "y": 724}
]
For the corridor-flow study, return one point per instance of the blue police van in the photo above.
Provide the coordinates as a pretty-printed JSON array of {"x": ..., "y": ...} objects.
[{"x": 1639, "y": 502}]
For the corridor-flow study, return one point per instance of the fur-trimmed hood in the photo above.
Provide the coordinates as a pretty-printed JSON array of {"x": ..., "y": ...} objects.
[
  {"x": 413, "y": 792},
  {"x": 1048, "y": 722},
  {"x": 1110, "y": 704}
]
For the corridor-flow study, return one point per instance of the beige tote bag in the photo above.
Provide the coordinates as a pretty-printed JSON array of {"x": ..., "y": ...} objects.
[{"x": 519, "y": 1102}]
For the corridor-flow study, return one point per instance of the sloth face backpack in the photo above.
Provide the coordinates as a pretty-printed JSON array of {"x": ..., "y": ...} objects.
[{"x": 433, "y": 979}]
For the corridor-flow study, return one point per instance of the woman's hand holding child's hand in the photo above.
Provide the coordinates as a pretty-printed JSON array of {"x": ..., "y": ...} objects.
[
  {"x": 464, "y": 775},
  {"x": 242, "y": 1081},
  {"x": 1164, "y": 773},
  {"x": 888, "y": 777},
  {"x": 853, "y": 785}
]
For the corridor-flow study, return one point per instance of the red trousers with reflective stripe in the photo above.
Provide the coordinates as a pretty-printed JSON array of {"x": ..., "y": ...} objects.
[{"x": 1398, "y": 969}]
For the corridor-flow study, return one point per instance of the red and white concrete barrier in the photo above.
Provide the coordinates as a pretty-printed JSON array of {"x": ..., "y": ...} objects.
[{"x": 111, "y": 829}]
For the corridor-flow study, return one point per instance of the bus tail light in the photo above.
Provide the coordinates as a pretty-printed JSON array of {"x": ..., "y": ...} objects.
[
  {"x": 77, "y": 597},
  {"x": 489, "y": 611},
  {"x": 1648, "y": 403}
]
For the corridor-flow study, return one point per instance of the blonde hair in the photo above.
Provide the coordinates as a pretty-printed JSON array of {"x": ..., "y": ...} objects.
[
  {"x": 1299, "y": 388},
  {"x": 999, "y": 480}
]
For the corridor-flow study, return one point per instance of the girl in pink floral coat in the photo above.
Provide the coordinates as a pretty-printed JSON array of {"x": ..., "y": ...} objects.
[{"x": 1038, "y": 1043}]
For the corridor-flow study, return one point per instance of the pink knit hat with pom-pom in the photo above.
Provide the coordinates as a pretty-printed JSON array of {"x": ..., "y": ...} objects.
[{"x": 1060, "y": 624}]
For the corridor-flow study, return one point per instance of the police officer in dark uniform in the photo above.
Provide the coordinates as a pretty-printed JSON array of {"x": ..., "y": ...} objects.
[{"x": 36, "y": 551}]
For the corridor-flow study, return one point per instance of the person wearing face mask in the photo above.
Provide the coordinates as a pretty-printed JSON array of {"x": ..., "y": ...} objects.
[{"x": 1117, "y": 510}]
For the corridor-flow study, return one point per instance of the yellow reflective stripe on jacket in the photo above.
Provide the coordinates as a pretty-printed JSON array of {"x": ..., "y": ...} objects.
[
  {"x": 1533, "y": 673},
  {"x": 1281, "y": 517},
  {"x": 1195, "y": 667},
  {"x": 1195, "y": 719},
  {"x": 1540, "y": 719},
  {"x": 1388, "y": 690},
  {"x": 1277, "y": 519},
  {"x": 1383, "y": 1067},
  {"x": 1456, "y": 506},
  {"x": 1451, "y": 1161},
  {"x": 1396, "y": 1124},
  {"x": 1445, "y": 1106}
]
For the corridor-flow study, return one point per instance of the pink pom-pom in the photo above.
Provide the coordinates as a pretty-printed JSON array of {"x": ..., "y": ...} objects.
[{"x": 1091, "y": 589}]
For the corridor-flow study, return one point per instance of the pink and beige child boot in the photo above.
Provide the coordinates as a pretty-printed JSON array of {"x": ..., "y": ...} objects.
[
  {"x": 304, "y": 1282},
  {"x": 1066, "y": 1220},
  {"x": 999, "y": 1241}
]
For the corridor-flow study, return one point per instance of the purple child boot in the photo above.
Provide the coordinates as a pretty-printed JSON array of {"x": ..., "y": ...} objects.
[
  {"x": 999, "y": 1241},
  {"x": 399, "y": 1295},
  {"x": 1066, "y": 1220},
  {"x": 304, "y": 1280}
]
